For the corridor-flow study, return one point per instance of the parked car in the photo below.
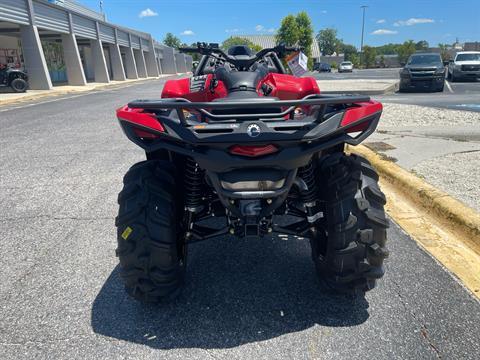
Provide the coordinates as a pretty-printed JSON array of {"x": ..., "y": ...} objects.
[
  {"x": 466, "y": 65},
  {"x": 345, "y": 66},
  {"x": 423, "y": 71},
  {"x": 322, "y": 67},
  {"x": 13, "y": 78}
]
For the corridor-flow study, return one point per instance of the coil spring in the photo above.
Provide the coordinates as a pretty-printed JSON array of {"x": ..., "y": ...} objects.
[
  {"x": 307, "y": 174},
  {"x": 193, "y": 184}
]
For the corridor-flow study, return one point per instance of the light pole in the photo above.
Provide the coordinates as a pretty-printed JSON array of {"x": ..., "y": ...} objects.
[
  {"x": 101, "y": 11},
  {"x": 363, "y": 7}
]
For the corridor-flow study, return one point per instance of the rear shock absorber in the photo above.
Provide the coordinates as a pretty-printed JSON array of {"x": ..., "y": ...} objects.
[
  {"x": 309, "y": 191},
  {"x": 193, "y": 186},
  {"x": 307, "y": 174}
]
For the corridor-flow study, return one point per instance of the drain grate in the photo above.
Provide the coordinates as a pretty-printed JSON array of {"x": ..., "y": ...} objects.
[{"x": 379, "y": 146}]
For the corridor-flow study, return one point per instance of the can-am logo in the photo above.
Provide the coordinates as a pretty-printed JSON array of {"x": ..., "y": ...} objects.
[{"x": 253, "y": 130}]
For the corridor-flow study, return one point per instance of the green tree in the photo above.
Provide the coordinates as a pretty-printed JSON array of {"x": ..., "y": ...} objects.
[
  {"x": 382, "y": 61},
  {"x": 354, "y": 59},
  {"x": 237, "y": 40},
  {"x": 444, "y": 52},
  {"x": 305, "y": 32},
  {"x": 305, "y": 35},
  {"x": 405, "y": 50},
  {"x": 328, "y": 41},
  {"x": 289, "y": 33},
  {"x": 348, "y": 51},
  {"x": 369, "y": 54},
  {"x": 297, "y": 30},
  {"x": 387, "y": 49},
  {"x": 172, "y": 41},
  {"x": 422, "y": 45}
]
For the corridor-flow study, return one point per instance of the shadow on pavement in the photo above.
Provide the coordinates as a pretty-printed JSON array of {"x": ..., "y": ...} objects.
[{"x": 237, "y": 292}]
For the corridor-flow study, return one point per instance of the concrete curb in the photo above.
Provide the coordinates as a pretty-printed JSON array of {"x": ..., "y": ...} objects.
[
  {"x": 390, "y": 89},
  {"x": 442, "y": 204},
  {"x": 79, "y": 90}
]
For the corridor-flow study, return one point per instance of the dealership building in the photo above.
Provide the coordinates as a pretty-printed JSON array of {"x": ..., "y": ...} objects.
[{"x": 63, "y": 42}]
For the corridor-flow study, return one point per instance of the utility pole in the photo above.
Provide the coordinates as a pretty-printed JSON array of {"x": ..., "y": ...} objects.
[{"x": 363, "y": 7}]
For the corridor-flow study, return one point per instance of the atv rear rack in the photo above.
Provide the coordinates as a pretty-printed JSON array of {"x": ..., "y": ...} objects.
[
  {"x": 179, "y": 104},
  {"x": 174, "y": 125}
]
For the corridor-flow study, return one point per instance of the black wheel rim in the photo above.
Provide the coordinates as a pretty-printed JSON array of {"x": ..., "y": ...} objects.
[{"x": 19, "y": 85}]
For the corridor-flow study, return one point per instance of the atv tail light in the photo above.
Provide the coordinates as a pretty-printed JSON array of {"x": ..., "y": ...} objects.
[
  {"x": 359, "y": 114},
  {"x": 253, "y": 150},
  {"x": 145, "y": 121}
]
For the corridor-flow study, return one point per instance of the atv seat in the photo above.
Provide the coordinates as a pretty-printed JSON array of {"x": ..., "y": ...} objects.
[{"x": 241, "y": 81}]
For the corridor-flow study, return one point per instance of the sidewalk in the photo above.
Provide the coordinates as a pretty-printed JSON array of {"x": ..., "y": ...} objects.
[
  {"x": 428, "y": 161},
  {"x": 438, "y": 145},
  {"x": 7, "y": 98},
  {"x": 358, "y": 86}
]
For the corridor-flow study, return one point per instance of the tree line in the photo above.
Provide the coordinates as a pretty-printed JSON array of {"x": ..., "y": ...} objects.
[
  {"x": 297, "y": 30},
  {"x": 329, "y": 44}
]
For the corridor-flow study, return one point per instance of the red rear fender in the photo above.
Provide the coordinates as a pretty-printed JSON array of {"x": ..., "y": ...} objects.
[
  {"x": 194, "y": 89},
  {"x": 360, "y": 113},
  {"x": 176, "y": 88},
  {"x": 288, "y": 87},
  {"x": 139, "y": 124}
]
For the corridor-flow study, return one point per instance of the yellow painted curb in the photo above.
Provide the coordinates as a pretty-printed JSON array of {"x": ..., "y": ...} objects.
[
  {"x": 442, "y": 225},
  {"x": 432, "y": 198}
]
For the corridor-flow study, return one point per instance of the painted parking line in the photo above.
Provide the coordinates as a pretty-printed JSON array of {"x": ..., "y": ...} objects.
[
  {"x": 469, "y": 106},
  {"x": 449, "y": 87}
]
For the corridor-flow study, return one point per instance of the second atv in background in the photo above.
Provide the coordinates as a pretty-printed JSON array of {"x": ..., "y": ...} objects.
[{"x": 16, "y": 79}]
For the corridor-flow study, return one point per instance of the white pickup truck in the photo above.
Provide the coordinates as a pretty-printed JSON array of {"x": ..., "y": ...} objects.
[{"x": 465, "y": 65}]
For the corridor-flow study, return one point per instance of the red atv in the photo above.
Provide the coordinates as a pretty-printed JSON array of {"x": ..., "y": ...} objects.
[{"x": 230, "y": 151}]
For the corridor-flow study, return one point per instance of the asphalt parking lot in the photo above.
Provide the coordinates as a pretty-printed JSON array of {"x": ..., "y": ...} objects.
[
  {"x": 458, "y": 95},
  {"x": 61, "y": 297},
  {"x": 388, "y": 73},
  {"x": 462, "y": 95}
]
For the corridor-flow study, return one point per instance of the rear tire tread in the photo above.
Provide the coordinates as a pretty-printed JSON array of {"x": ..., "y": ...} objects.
[
  {"x": 356, "y": 224},
  {"x": 149, "y": 264}
]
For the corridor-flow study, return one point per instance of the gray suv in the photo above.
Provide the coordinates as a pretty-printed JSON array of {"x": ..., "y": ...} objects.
[{"x": 423, "y": 71}]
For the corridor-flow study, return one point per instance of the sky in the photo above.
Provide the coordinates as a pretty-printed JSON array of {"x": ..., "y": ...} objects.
[{"x": 437, "y": 21}]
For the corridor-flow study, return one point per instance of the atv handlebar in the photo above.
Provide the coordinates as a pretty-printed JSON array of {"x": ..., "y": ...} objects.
[
  {"x": 202, "y": 48},
  {"x": 188, "y": 50},
  {"x": 210, "y": 49},
  {"x": 280, "y": 50}
]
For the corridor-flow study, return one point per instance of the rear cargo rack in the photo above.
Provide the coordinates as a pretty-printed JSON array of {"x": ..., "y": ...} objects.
[{"x": 206, "y": 108}]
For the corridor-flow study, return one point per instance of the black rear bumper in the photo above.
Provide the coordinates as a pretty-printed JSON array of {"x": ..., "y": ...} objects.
[{"x": 209, "y": 140}]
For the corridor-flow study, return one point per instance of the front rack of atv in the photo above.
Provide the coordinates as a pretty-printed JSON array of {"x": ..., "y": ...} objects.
[{"x": 285, "y": 107}]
